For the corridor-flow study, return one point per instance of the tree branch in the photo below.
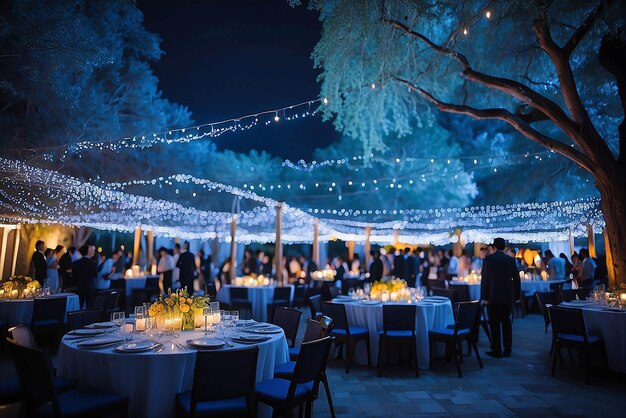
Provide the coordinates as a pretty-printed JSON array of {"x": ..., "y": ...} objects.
[
  {"x": 515, "y": 121},
  {"x": 582, "y": 30}
]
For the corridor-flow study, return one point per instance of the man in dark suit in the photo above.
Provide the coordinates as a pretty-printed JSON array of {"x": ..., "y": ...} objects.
[
  {"x": 499, "y": 289},
  {"x": 376, "y": 268},
  {"x": 404, "y": 267},
  {"x": 39, "y": 263},
  {"x": 65, "y": 268},
  {"x": 187, "y": 265},
  {"x": 84, "y": 274}
]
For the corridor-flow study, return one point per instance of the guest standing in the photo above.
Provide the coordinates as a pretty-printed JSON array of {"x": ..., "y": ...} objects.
[
  {"x": 376, "y": 267},
  {"x": 453, "y": 265},
  {"x": 588, "y": 268},
  {"x": 39, "y": 263},
  {"x": 53, "y": 268},
  {"x": 165, "y": 268},
  {"x": 65, "y": 268},
  {"x": 84, "y": 273},
  {"x": 106, "y": 271},
  {"x": 556, "y": 266},
  {"x": 176, "y": 272},
  {"x": 249, "y": 263},
  {"x": 187, "y": 265},
  {"x": 499, "y": 289}
]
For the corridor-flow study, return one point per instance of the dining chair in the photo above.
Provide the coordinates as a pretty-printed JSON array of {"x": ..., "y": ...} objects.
[
  {"x": 315, "y": 305},
  {"x": 544, "y": 300},
  {"x": 223, "y": 385},
  {"x": 446, "y": 293},
  {"x": 23, "y": 336},
  {"x": 45, "y": 396},
  {"x": 299, "y": 294},
  {"x": 344, "y": 333},
  {"x": 281, "y": 298},
  {"x": 289, "y": 320},
  {"x": 48, "y": 319},
  {"x": 119, "y": 286},
  {"x": 347, "y": 284},
  {"x": 568, "y": 295},
  {"x": 83, "y": 317},
  {"x": 284, "y": 395},
  {"x": 239, "y": 300},
  {"x": 462, "y": 292},
  {"x": 314, "y": 331},
  {"x": 467, "y": 319},
  {"x": 398, "y": 330},
  {"x": 569, "y": 331}
]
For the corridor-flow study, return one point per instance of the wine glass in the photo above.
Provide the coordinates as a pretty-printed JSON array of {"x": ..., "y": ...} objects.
[
  {"x": 177, "y": 324},
  {"x": 119, "y": 319},
  {"x": 140, "y": 321},
  {"x": 206, "y": 313}
]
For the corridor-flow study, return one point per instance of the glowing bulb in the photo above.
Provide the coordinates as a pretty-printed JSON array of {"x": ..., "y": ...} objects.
[
  {"x": 488, "y": 14},
  {"x": 465, "y": 31},
  {"x": 276, "y": 118},
  {"x": 325, "y": 100},
  {"x": 373, "y": 85}
]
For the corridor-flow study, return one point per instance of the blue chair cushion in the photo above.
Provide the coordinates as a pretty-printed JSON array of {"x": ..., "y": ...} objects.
[
  {"x": 277, "y": 390},
  {"x": 353, "y": 331},
  {"x": 212, "y": 408},
  {"x": 404, "y": 333},
  {"x": 578, "y": 338},
  {"x": 285, "y": 370},
  {"x": 294, "y": 352},
  {"x": 83, "y": 402},
  {"x": 449, "y": 331},
  {"x": 45, "y": 323}
]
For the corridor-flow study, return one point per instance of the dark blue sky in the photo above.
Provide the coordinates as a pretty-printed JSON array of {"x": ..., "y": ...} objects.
[{"x": 227, "y": 58}]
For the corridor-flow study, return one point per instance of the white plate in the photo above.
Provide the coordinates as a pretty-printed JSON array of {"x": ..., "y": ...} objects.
[
  {"x": 206, "y": 343},
  {"x": 100, "y": 342},
  {"x": 86, "y": 332},
  {"x": 436, "y": 299},
  {"x": 273, "y": 330},
  {"x": 136, "y": 346},
  {"x": 370, "y": 302},
  {"x": 258, "y": 326},
  {"x": 101, "y": 325},
  {"x": 249, "y": 339}
]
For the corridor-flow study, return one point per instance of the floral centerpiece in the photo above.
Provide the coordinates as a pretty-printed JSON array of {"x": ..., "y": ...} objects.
[
  {"x": 18, "y": 286},
  {"x": 179, "y": 304},
  {"x": 393, "y": 289}
]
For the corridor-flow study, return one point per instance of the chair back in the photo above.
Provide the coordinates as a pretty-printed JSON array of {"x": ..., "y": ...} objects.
[
  {"x": 462, "y": 292},
  {"x": 556, "y": 289},
  {"x": 299, "y": 294},
  {"x": 23, "y": 336},
  {"x": 79, "y": 319},
  {"x": 315, "y": 305},
  {"x": 211, "y": 291},
  {"x": 282, "y": 296},
  {"x": 571, "y": 294},
  {"x": 289, "y": 320},
  {"x": 113, "y": 299},
  {"x": 347, "y": 284},
  {"x": 310, "y": 364},
  {"x": 467, "y": 316},
  {"x": 543, "y": 299},
  {"x": 36, "y": 376},
  {"x": 239, "y": 294},
  {"x": 446, "y": 293},
  {"x": 399, "y": 318},
  {"x": 216, "y": 377},
  {"x": 49, "y": 308},
  {"x": 327, "y": 324},
  {"x": 334, "y": 292},
  {"x": 152, "y": 283},
  {"x": 100, "y": 300},
  {"x": 337, "y": 311},
  {"x": 314, "y": 331},
  {"x": 567, "y": 321}
]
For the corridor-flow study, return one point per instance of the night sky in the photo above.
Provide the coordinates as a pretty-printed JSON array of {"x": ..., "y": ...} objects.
[{"x": 228, "y": 58}]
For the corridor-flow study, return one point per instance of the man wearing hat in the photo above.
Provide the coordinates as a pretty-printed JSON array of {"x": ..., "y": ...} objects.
[{"x": 499, "y": 289}]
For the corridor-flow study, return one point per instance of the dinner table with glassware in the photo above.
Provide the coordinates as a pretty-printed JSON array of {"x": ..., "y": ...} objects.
[
  {"x": 259, "y": 295},
  {"x": 20, "y": 311},
  {"x": 150, "y": 360},
  {"x": 431, "y": 312}
]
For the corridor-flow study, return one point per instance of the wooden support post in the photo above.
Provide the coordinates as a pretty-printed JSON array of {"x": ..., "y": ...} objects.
[
  {"x": 457, "y": 247},
  {"x": 591, "y": 241},
  {"x": 571, "y": 243},
  {"x": 350, "y": 245},
  {"x": 368, "y": 248},
  {"x": 396, "y": 237},
  {"x": 232, "y": 273},
  {"x": 315, "y": 253},
  {"x": 16, "y": 246},
  {"x": 3, "y": 251},
  {"x": 278, "y": 252},
  {"x": 136, "y": 245},
  {"x": 609, "y": 259},
  {"x": 149, "y": 247}
]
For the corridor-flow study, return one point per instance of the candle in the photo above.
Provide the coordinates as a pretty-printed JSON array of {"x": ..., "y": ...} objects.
[
  {"x": 14, "y": 294},
  {"x": 622, "y": 297},
  {"x": 384, "y": 297},
  {"x": 128, "y": 327},
  {"x": 198, "y": 321},
  {"x": 394, "y": 296},
  {"x": 140, "y": 324},
  {"x": 167, "y": 325},
  {"x": 522, "y": 276},
  {"x": 153, "y": 270}
]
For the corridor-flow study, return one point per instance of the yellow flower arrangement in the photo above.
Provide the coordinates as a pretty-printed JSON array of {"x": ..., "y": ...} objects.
[
  {"x": 18, "y": 286},
  {"x": 394, "y": 285},
  {"x": 179, "y": 303}
]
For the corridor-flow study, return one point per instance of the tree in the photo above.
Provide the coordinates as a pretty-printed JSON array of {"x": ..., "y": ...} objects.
[{"x": 553, "y": 71}]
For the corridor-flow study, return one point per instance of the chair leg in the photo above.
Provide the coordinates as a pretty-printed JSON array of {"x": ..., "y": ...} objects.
[
  {"x": 460, "y": 351},
  {"x": 587, "y": 360},
  {"x": 330, "y": 399},
  {"x": 309, "y": 409},
  {"x": 381, "y": 348},
  {"x": 480, "y": 362},
  {"x": 369, "y": 351},
  {"x": 351, "y": 347},
  {"x": 571, "y": 357},
  {"x": 417, "y": 364},
  {"x": 455, "y": 356},
  {"x": 554, "y": 355}
]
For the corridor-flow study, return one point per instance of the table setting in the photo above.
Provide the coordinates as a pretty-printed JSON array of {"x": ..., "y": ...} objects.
[
  {"x": 149, "y": 360},
  {"x": 260, "y": 294}
]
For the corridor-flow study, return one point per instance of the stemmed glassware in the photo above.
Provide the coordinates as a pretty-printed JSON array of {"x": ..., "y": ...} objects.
[
  {"x": 119, "y": 319},
  {"x": 140, "y": 318}
]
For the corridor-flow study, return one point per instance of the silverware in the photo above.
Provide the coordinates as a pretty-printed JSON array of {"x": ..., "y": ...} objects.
[
  {"x": 157, "y": 348},
  {"x": 228, "y": 343}
]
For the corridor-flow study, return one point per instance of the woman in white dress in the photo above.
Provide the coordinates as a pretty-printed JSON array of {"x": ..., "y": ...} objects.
[{"x": 52, "y": 261}]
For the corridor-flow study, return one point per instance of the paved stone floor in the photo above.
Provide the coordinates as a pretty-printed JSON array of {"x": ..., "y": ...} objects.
[{"x": 520, "y": 385}]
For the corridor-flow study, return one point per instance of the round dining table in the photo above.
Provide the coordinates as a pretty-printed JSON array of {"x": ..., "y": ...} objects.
[
  {"x": 258, "y": 296},
  {"x": 152, "y": 379},
  {"x": 474, "y": 288},
  {"x": 433, "y": 312},
  {"x": 529, "y": 287},
  {"x": 20, "y": 311}
]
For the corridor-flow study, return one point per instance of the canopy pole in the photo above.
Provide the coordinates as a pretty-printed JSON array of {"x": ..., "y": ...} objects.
[
  {"x": 3, "y": 251},
  {"x": 571, "y": 243},
  {"x": 367, "y": 249},
  {"x": 233, "y": 249},
  {"x": 136, "y": 245},
  {"x": 315, "y": 254},
  {"x": 457, "y": 247},
  {"x": 591, "y": 240},
  {"x": 350, "y": 245},
  {"x": 609, "y": 259},
  {"x": 149, "y": 247},
  {"x": 396, "y": 237},
  {"x": 278, "y": 252},
  {"x": 16, "y": 246}
]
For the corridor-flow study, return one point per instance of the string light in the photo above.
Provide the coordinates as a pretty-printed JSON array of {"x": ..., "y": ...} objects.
[{"x": 488, "y": 14}]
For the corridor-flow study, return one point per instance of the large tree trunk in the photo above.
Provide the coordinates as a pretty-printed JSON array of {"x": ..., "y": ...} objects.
[{"x": 614, "y": 211}]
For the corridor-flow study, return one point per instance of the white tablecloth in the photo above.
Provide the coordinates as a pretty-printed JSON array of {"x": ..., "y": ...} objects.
[
  {"x": 260, "y": 297},
  {"x": 20, "y": 311},
  {"x": 434, "y": 313},
  {"x": 474, "y": 289},
  {"x": 152, "y": 380},
  {"x": 611, "y": 326},
  {"x": 529, "y": 287}
]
